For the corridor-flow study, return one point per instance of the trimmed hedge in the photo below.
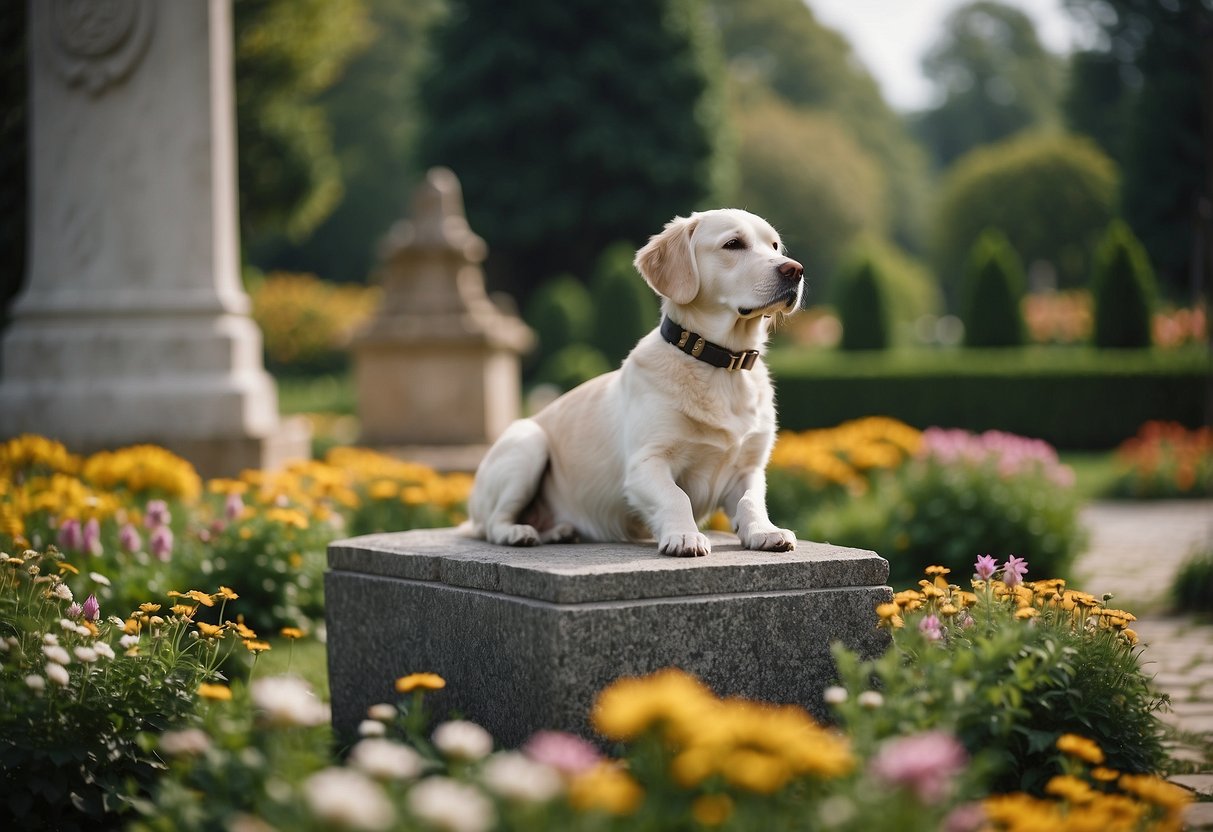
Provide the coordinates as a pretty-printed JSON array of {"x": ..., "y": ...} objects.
[{"x": 1073, "y": 398}]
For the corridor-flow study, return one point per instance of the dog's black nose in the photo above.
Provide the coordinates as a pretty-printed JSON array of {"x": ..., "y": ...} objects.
[{"x": 791, "y": 271}]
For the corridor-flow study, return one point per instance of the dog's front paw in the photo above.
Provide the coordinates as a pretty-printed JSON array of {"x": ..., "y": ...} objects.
[
  {"x": 513, "y": 535},
  {"x": 685, "y": 545},
  {"x": 768, "y": 539}
]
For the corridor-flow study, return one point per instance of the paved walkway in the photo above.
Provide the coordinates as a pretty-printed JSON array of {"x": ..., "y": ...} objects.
[{"x": 1134, "y": 552}]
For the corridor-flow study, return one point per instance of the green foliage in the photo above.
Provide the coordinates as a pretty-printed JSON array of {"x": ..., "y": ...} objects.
[
  {"x": 1123, "y": 289},
  {"x": 992, "y": 493},
  {"x": 909, "y": 287},
  {"x": 1009, "y": 673},
  {"x": 1052, "y": 196},
  {"x": 79, "y": 696},
  {"x": 625, "y": 308},
  {"x": 994, "y": 79},
  {"x": 781, "y": 45},
  {"x": 571, "y": 366},
  {"x": 287, "y": 52},
  {"x": 561, "y": 312},
  {"x": 786, "y": 153},
  {"x": 1192, "y": 589},
  {"x": 980, "y": 390},
  {"x": 863, "y": 309},
  {"x": 572, "y": 125},
  {"x": 992, "y": 294}
]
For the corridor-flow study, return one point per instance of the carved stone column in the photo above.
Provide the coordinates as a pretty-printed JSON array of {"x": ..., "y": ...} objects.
[
  {"x": 437, "y": 369},
  {"x": 133, "y": 325}
]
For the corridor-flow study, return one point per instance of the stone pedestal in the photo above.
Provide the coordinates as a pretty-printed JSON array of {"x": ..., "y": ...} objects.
[
  {"x": 526, "y": 637},
  {"x": 438, "y": 365},
  {"x": 133, "y": 325}
]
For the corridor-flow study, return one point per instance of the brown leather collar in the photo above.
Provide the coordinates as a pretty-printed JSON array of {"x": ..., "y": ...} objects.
[{"x": 696, "y": 346}]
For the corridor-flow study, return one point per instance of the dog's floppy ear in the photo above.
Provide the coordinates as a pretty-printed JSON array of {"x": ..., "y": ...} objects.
[{"x": 668, "y": 263}]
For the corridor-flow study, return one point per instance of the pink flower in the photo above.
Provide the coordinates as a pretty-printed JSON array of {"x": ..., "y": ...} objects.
[
  {"x": 924, "y": 763},
  {"x": 90, "y": 540},
  {"x": 233, "y": 507},
  {"x": 1013, "y": 572},
  {"x": 156, "y": 514},
  {"x": 162, "y": 543},
  {"x": 70, "y": 538},
  {"x": 91, "y": 609},
  {"x": 929, "y": 627},
  {"x": 75, "y": 610},
  {"x": 567, "y": 753},
  {"x": 986, "y": 566},
  {"x": 129, "y": 540}
]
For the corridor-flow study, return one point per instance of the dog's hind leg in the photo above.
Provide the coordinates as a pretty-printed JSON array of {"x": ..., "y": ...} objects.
[{"x": 506, "y": 483}]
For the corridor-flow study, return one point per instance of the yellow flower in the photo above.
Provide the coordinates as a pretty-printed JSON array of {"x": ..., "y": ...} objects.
[
  {"x": 218, "y": 693},
  {"x": 291, "y": 632},
  {"x": 712, "y": 809},
  {"x": 256, "y": 647},
  {"x": 243, "y": 631},
  {"x": 606, "y": 788},
  {"x": 194, "y": 595},
  {"x": 1104, "y": 775},
  {"x": 1155, "y": 790},
  {"x": 149, "y": 607},
  {"x": 937, "y": 571},
  {"x": 64, "y": 566},
  {"x": 132, "y": 627},
  {"x": 420, "y": 681},
  {"x": 183, "y": 610},
  {"x": 210, "y": 630},
  {"x": 755, "y": 771},
  {"x": 227, "y": 593},
  {"x": 1024, "y": 613},
  {"x": 1070, "y": 789},
  {"x": 1129, "y": 634},
  {"x": 1081, "y": 748}
]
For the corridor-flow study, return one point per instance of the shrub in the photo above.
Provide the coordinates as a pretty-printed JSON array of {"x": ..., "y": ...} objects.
[
  {"x": 1165, "y": 460},
  {"x": 1124, "y": 290},
  {"x": 306, "y": 323},
  {"x": 571, "y": 366},
  {"x": 561, "y": 313},
  {"x": 1013, "y": 669},
  {"x": 992, "y": 294},
  {"x": 625, "y": 308},
  {"x": 81, "y": 689},
  {"x": 910, "y": 289},
  {"x": 863, "y": 309},
  {"x": 1192, "y": 590},
  {"x": 963, "y": 493}
]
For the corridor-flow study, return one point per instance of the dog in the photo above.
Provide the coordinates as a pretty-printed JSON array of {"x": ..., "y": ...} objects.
[{"x": 683, "y": 427}]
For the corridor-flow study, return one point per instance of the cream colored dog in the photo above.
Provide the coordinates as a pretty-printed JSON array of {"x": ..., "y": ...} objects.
[{"x": 684, "y": 427}]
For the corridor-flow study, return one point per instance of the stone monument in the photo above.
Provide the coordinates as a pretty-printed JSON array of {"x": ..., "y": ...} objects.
[
  {"x": 437, "y": 369},
  {"x": 133, "y": 325},
  {"x": 525, "y": 637}
]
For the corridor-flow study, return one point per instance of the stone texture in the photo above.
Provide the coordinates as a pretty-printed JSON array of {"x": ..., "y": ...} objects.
[
  {"x": 526, "y": 637},
  {"x": 133, "y": 326},
  {"x": 438, "y": 365}
]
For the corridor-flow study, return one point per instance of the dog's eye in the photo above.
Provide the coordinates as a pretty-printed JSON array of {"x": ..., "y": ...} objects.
[
  {"x": 775, "y": 246},
  {"x": 734, "y": 244}
]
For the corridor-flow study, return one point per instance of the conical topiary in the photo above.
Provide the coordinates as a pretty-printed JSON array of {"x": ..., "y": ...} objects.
[
  {"x": 1124, "y": 290},
  {"x": 561, "y": 312},
  {"x": 625, "y": 308},
  {"x": 862, "y": 308},
  {"x": 993, "y": 290}
]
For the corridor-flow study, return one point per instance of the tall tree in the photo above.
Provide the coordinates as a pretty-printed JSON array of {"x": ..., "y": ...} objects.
[
  {"x": 994, "y": 77},
  {"x": 13, "y": 151},
  {"x": 1154, "y": 65},
  {"x": 572, "y": 124}
]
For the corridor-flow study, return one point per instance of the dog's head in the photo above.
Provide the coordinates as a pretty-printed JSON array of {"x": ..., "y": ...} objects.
[{"x": 722, "y": 260}]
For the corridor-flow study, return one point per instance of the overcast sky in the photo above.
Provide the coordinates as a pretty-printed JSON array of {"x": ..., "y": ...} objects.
[{"x": 890, "y": 37}]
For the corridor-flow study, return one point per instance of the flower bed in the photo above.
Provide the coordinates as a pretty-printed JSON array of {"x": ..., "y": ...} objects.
[{"x": 1165, "y": 461}]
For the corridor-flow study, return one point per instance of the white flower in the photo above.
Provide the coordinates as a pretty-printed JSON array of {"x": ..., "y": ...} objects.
[
  {"x": 67, "y": 624},
  {"x": 81, "y": 630},
  {"x": 348, "y": 799},
  {"x": 385, "y": 760},
  {"x": 128, "y": 641},
  {"x": 99, "y": 578},
  {"x": 116, "y": 621},
  {"x": 57, "y": 673},
  {"x": 288, "y": 700},
  {"x": 462, "y": 740},
  {"x": 187, "y": 742},
  {"x": 870, "y": 699},
  {"x": 50, "y": 638},
  {"x": 834, "y": 695},
  {"x": 515, "y": 776},
  {"x": 382, "y": 712},
  {"x": 62, "y": 591},
  {"x": 371, "y": 728},
  {"x": 56, "y": 653},
  {"x": 35, "y": 682},
  {"x": 85, "y": 654},
  {"x": 451, "y": 806},
  {"x": 104, "y": 649},
  {"x": 4, "y": 645}
]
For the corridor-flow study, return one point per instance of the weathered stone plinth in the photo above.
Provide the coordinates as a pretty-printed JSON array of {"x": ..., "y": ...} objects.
[{"x": 526, "y": 637}]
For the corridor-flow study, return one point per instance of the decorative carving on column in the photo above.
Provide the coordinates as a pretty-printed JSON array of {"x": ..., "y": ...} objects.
[{"x": 97, "y": 43}]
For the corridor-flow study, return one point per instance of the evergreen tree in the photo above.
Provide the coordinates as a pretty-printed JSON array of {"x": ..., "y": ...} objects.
[
  {"x": 561, "y": 313},
  {"x": 863, "y": 309},
  {"x": 572, "y": 124},
  {"x": 1124, "y": 291},
  {"x": 625, "y": 308},
  {"x": 993, "y": 291}
]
